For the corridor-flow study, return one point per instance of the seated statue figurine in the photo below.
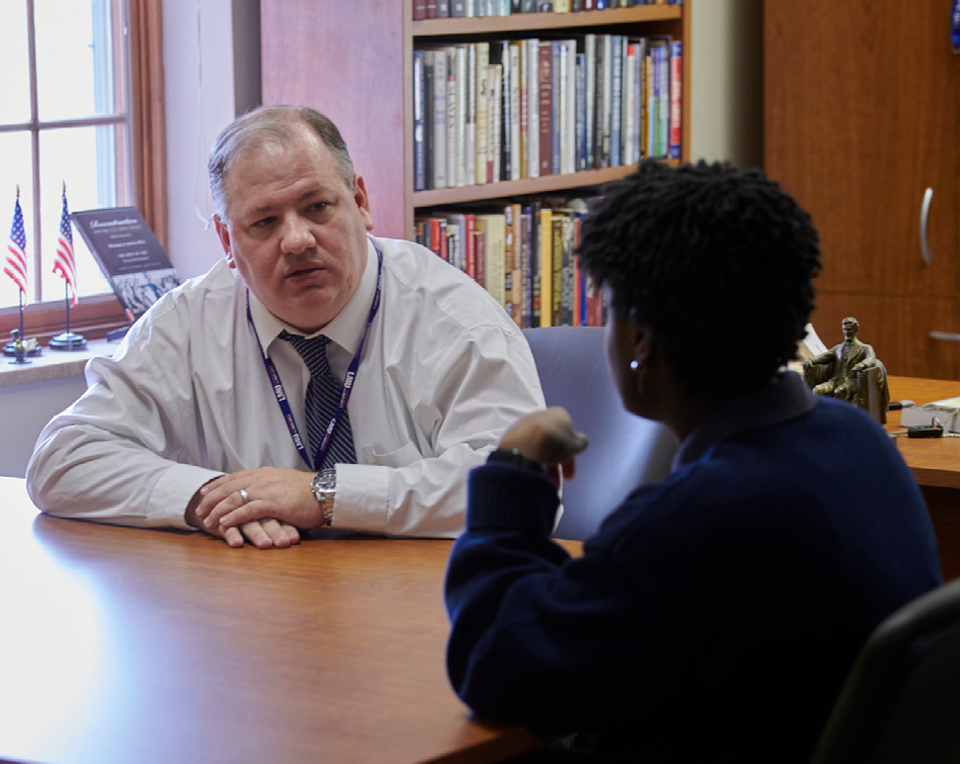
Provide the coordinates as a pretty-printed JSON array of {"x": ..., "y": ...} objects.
[{"x": 844, "y": 372}]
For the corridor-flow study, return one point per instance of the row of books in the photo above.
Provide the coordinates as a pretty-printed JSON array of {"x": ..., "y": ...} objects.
[
  {"x": 511, "y": 109},
  {"x": 441, "y": 9},
  {"x": 523, "y": 254}
]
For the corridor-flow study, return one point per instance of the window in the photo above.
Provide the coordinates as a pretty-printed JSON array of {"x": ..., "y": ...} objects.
[{"x": 80, "y": 101}]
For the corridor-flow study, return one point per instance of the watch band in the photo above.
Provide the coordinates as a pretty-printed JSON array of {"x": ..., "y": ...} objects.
[
  {"x": 517, "y": 459},
  {"x": 324, "y": 487}
]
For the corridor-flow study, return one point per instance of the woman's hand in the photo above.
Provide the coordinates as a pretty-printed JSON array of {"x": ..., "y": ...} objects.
[{"x": 547, "y": 437}]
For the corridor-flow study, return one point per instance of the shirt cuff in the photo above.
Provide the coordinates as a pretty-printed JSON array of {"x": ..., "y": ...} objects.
[
  {"x": 167, "y": 503},
  {"x": 503, "y": 497},
  {"x": 360, "y": 503}
]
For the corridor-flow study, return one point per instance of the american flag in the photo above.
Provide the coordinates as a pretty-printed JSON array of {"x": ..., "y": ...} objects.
[
  {"x": 64, "y": 264},
  {"x": 16, "y": 267}
]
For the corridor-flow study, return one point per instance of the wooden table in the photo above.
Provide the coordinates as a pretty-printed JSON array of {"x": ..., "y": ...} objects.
[
  {"x": 126, "y": 645},
  {"x": 935, "y": 464}
]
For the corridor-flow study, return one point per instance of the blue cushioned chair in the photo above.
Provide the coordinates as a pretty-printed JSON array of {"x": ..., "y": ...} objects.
[
  {"x": 625, "y": 450},
  {"x": 901, "y": 701}
]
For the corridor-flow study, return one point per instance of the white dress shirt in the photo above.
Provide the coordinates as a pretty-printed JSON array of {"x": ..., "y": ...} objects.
[{"x": 186, "y": 398}]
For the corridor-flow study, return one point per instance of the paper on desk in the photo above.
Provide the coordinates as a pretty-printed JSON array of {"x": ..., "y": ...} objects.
[
  {"x": 811, "y": 345},
  {"x": 944, "y": 411}
]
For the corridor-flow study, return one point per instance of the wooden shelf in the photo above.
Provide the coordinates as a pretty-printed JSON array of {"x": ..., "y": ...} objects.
[
  {"x": 531, "y": 22},
  {"x": 530, "y": 186}
]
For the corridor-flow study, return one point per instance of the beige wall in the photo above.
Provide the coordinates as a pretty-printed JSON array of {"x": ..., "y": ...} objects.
[{"x": 727, "y": 81}]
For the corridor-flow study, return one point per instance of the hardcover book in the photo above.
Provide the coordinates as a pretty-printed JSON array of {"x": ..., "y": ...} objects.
[{"x": 129, "y": 255}]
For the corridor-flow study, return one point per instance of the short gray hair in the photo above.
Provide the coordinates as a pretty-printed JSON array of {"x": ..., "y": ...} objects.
[{"x": 266, "y": 124}]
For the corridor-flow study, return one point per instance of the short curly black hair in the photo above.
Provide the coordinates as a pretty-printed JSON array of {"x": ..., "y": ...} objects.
[{"x": 719, "y": 262}]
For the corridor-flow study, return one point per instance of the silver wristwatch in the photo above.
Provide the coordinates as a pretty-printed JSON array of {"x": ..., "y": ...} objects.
[{"x": 324, "y": 487}]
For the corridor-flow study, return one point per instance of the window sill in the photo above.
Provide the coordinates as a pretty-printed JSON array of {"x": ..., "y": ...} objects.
[{"x": 53, "y": 364}]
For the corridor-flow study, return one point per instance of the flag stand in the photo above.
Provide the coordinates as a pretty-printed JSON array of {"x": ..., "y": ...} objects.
[
  {"x": 16, "y": 347},
  {"x": 68, "y": 340}
]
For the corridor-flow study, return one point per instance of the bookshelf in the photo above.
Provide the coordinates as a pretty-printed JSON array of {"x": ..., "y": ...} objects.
[{"x": 353, "y": 61}]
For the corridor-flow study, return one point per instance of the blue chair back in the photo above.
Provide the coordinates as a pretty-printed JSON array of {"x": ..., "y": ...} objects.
[{"x": 625, "y": 451}]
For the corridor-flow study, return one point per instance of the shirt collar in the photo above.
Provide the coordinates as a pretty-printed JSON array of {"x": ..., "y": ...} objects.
[
  {"x": 347, "y": 326},
  {"x": 787, "y": 397}
]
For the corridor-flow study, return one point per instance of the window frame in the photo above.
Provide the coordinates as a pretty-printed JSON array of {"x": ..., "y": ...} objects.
[{"x": 96, "y": 315}]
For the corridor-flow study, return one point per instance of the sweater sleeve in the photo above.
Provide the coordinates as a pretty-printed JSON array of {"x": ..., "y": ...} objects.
[{"x": 533, "y": 632}]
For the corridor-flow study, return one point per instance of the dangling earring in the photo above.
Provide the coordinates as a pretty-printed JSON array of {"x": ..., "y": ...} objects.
[{"x": 641, "y": 374}]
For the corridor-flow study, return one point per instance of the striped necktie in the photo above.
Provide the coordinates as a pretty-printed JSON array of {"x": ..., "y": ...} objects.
[{"x": 323, "y": 395}]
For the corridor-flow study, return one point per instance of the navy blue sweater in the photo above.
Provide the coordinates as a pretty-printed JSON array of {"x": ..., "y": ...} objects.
[{"x": 714, "y": 616}]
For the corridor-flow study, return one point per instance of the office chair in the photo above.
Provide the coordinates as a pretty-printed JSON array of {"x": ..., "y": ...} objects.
[
  {"x": 625, "y": 450},
  {"x": 901, "y": 701}
]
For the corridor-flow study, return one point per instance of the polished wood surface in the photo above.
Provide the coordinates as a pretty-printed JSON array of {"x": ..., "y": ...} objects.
[
  {"x": 128, "y": 645},
  {"x": 935, "y": 464},
  {"x": 862, "y": 107}
]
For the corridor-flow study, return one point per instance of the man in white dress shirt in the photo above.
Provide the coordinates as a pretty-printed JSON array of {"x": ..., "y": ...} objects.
[{"x": 198, "y": 420}]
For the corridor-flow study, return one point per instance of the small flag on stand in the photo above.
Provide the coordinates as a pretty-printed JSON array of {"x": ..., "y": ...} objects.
[
  {"x": 64, "y": 263},
  {"x": 16, "y": 267}
]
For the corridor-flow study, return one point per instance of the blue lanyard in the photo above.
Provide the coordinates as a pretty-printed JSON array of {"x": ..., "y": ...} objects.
[{"x": 345, "y": 391}]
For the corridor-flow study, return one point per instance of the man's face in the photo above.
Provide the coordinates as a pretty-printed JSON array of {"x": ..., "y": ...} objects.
[
  {"x": 849, "y": 329},
  {"x": 295, "y": 230}
]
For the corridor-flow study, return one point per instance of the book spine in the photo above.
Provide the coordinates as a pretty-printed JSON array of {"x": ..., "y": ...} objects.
[
  {"x": 546, "y": 267},
  {"x": 515, "y": 263},
  {"x": 581, "y": 116},
  {"x": 515, "y": 120},
  {"x": 664, "y": 134},
  {"x": 461, "y": 157},
  {"x": 565, "y": 138},
  {"x": 480, "y": 248},
  {"x": 428, "y": 120},
  {"x": 440, "y": 119},
  {"x": 458, "y": 9},
  {"x": 419, "y": 170},
  {"x": 590, "y": 48},
  {"x": 556, "y": 122},
  {"x": 524, "y": 50},
  {"x": 606, "y": 101},
  {"x": 470, "y": 148},
  {"x": 494, "y": 117},
  {"x": 556, "y": 293},
  {"x": 570, "y": 115},
  {"x": 443, "y": 9},
  {"x": 546, "y": 108},
  {"x": 630, "y": 103},
  {"x": 567, "y": 281},
  {"x": 495, "y": 273},
  {"x": 482, "y": 99},
  {"x": 616, "y": 89},
  {"x": 676, "y": 80},
  {"x": 525, "y": 286},
  {"x": 651, "y": 100},
  {"x": 451, "y": 115},
  {"x": 533, "y": 115},
  {"x": 419, "y": 10},
  {"x": 534, "y": 264},
  {"x": 506, "y": 119},
  {"x": 470, "y": 246},
  {"x": 431, "y": 9}
]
